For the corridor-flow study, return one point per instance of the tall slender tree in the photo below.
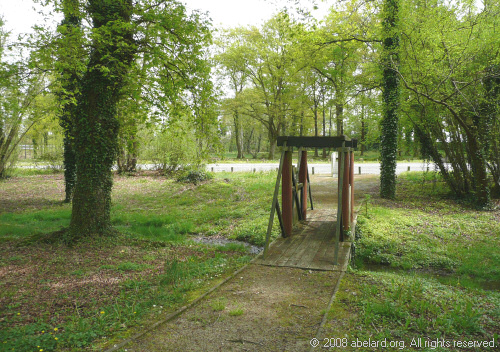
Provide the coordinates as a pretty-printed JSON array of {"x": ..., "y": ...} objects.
[{"x": 391, "y": 98}]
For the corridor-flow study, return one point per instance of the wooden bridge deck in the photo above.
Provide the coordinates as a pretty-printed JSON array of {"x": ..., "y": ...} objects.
[{"x": 311, "y": 246}]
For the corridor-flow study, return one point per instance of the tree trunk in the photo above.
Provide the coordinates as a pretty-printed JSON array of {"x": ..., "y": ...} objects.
[
  {"x": 363, "y": 137},
  {"x": 316, "y": 128},
  {"x": 249, "y": 141},
  {"x": 96, "y": 126},
  {"x": 69, "y": 81},
  {"x": 339, "y": 114},
  {"x": 237, "y": 132},
  {"x": 272, "y": 143},
  {"x": 127, "y": 156},
  {"x": 301, "y": 124},
  {"x": 480, "y": 176},
  {"x": 324, "y": 128},
  {"x": 391, "y": 93},
  {"x": 330, "y": 115}
]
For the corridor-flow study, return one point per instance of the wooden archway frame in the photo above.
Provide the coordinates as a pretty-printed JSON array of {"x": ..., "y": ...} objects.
[{"x": 291, "y": 188}]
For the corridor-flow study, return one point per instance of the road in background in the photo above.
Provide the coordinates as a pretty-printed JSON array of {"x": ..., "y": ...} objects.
[
  {"x": 359, "y": 168},
  {"x": 314, "y": 168}
]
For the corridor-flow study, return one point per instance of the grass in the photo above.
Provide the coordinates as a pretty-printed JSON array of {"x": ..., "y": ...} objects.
[
  {"x": 427, "y": 265},
  {"x": 427, "y": 273},
  {"x": 236, "y": 312},
  {"x": 405, "y": 308},
  {"x": 218, "y": 305},
  {"x": 103, "y": 289},
  {"x": 426, "y": 230}
]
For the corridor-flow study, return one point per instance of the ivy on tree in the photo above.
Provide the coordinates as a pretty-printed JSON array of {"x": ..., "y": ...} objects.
[
  {"x": 70, "y": 29},
  {"x": 391, "y": 98},
  {"x": 149, "y": 53}
]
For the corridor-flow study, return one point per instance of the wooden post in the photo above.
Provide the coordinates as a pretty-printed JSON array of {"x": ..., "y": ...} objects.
[
  {"x": 303, "y": 180},
  {"x": 338, "y": 227},
  {"x": 345, "y": 195},
  {"x": 339, "y": 184},
  {"x": 287, "y": 194},
  {"x": 351, "y": 183},
  {"x": 275, "y": 205}
]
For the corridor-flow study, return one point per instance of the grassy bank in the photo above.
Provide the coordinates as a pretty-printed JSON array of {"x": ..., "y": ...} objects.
[
  {"x": 427, "y": 267},
  {"x": 54, "y": 297}
]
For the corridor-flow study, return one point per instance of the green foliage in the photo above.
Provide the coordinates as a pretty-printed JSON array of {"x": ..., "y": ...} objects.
[
  {"x": 173, "y": 147},
  {"x": 367, "y": 202},
  {"x": 236, "y": 312},
  {"x": 450, "y": 119},
  {"x": 103, "y": 72},
  {"x": 24, "y": 100},
  {"x": 17, "y": 226},
  {"x": 267, "y": 58}
]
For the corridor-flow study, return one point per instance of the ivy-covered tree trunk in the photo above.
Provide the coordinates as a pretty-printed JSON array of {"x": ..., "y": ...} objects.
[
  {"x": 391, "y": 93},
  {"x": 96, "y": 124},
  {"x": 69, "y": 82}
]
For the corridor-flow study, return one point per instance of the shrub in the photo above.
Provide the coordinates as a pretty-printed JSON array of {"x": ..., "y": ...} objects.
[{"x": 194, "y": 176}]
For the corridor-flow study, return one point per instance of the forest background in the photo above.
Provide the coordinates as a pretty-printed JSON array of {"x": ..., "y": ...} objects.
[{"x": 192, "y": 92}]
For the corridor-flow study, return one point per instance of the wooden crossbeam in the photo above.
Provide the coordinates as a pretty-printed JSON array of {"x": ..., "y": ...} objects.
[{"x": 318, "y": 142}]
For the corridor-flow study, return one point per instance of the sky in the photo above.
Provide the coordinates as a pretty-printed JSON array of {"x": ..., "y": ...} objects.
[{"x": 20, "y": 15}]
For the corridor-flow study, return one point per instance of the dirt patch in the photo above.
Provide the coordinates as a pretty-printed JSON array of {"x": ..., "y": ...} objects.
[{"x": 31, "y": 192}]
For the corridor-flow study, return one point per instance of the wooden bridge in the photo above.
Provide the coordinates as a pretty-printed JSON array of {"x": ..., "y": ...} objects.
[
  {"x": 311, "y": 246},
  {"x": 317, "y": 241}
]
